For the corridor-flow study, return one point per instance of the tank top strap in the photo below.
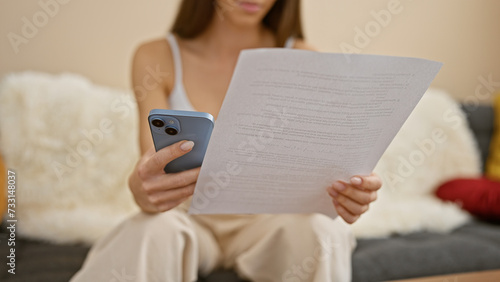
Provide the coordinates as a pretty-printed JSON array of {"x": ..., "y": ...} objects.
[
  {"x": 178, "y": 98},
  {"x": 289, "y": 42},
  {"x": 177, "y": 58}
]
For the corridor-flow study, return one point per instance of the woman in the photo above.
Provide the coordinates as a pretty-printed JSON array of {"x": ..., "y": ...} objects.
[{"x": 193, "y": 68}]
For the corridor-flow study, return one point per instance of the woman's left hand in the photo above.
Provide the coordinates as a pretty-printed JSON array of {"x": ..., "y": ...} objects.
[{"x": 352, "y": 199}]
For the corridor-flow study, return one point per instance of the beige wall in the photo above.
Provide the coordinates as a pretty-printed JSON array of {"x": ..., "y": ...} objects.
[{"x": 97, "y": 38}]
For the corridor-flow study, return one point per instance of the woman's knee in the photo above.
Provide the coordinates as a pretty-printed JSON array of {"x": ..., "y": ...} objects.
[
  {"x": 320, "y": 231},
  {"x": 323, "y": 249}
]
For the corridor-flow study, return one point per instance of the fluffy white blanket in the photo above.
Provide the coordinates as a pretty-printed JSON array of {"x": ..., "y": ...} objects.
[
  {"x": 434, "y": 145},
  {"x": 73, "y": 145}
]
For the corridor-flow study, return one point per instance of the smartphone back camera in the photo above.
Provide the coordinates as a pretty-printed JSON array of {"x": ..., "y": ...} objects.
[
  {"x": 171, "y": 130},
  {"x": 157, "y": 122},
  {"x": 165, "y": 125}
]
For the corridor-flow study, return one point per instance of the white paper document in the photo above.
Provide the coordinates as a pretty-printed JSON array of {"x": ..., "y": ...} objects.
[{"x": 295, "y": 121}]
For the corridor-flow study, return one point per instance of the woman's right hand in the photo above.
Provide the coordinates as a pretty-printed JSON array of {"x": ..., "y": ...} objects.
[{"x": 154, "y": 190}]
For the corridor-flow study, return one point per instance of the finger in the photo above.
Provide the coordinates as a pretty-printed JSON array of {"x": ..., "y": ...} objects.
[
  {"x": 170, "y": 205},
  {"x": 352, "y": 206},
  {"x": 360, "y": 196},
  {"x": 170, "y": 181},
  {"x": 165, "y": 206},
  {"x": 344, "y": 213},
  {"x": 160, "y": 159},
  {"x": 174, "y": 195},
  {"x": 370, "y": 182}
]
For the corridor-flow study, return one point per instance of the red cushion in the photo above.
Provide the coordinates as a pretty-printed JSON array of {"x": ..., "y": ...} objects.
[{"x": 480, "y": 196}]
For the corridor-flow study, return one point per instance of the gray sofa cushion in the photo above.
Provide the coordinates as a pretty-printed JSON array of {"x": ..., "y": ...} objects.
[{"x": 473, "y": 247}]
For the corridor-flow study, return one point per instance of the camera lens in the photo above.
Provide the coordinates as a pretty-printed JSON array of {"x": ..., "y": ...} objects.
[
  {"x": 171, "y": 131},
  {"x": 158, "y": 122}
]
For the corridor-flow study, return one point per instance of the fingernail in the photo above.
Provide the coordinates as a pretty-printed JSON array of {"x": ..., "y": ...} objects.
[
  {"x": 186, "y": 146},
  {"x": 356, "y": 180},
  {"x": 339, "y": 186}
]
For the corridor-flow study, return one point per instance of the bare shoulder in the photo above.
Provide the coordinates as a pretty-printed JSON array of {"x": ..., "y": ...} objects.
[
  {"x": 301, "y": 44},
  {"x": 155, "y": 52},
  {"x": 153, "y": 57}
]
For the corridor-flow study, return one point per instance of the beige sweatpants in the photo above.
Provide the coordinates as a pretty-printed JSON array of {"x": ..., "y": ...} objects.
[{"x": 174, "y": 246}]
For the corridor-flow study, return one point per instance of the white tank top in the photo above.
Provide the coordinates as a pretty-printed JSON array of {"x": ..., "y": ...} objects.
[{"x": 178, "y": 99}]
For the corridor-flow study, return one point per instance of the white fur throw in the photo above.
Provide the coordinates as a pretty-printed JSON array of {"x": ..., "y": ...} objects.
[
  {"x": 433, "y": 146},
  {"x": 72, "y": 145}
]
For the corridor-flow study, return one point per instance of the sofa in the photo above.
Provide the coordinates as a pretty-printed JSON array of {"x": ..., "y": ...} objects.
[{"x": 474, "y": 246}]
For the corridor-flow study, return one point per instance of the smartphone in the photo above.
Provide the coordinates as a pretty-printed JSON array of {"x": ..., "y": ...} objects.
[{"x": 169, "y": 127}]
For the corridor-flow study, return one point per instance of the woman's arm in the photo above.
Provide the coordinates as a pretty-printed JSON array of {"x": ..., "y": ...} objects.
[
  {"x": 154, "y": 190},
  {"x": 150, "y": 74}
]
